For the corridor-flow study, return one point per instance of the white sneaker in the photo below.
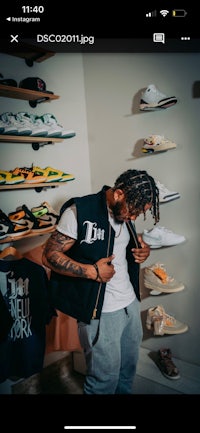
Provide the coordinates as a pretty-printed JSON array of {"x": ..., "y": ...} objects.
[
  {"x": 157, "y": 143},
  {"x": 14, "y": 126},
  {"x": 37, "y": 130},
  {"x": 152, "y": 99},
  {"x": 165, "y": 194},
  {"x": 161, "y": 237},
  {"x": 157, "y": 278},
  {"x": 2, "y": 126},
  {"x": 54, "y": 129}
]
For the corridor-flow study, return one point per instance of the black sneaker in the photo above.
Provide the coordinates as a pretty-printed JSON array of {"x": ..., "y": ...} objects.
[
  {"x": 39, "y": 225},
  {"x": 12, "y": 229}
]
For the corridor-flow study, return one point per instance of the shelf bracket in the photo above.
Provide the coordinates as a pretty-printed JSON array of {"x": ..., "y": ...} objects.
[
  {"x": 33, "y": 103},
  {"x": 40, "y": 188},
  {"x": 37, "y": 145}
]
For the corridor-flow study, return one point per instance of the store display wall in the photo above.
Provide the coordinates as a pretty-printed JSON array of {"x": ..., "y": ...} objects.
[
  {"x": 99, "y": 99},
  {"x": 116, "y": 131}
]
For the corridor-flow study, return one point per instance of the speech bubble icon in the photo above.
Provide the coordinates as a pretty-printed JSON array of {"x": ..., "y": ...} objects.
[{"x": 159, "y": 37}]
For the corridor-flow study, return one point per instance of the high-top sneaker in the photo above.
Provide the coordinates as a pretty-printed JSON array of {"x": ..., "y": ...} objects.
[
  {"x": 152, "y": 99},
  {"x": 12, "y": 126},
  {"x": 46, "y": 213},
  {"x": 38, "y": 225},
  {"x": 37, "y": 130},
  {"x": 162, "y": 323},
  {"x": 54, "y": 129},
  {"x": 166, "y": 365},
  {"x": 12, "y": 229}
]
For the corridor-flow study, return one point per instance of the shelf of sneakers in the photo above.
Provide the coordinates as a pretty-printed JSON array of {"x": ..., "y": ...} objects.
[
  {"x": 11, "y": 238},
  {"x": 26, "y": 223},
  {"x": 33, "y": 177},
  {"x": 26, "y": 94}
]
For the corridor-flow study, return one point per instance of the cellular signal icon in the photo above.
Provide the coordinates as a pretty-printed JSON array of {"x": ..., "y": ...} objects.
[
  {"x": 151, "y": 14},
  {"x": 164, "y": 12}
]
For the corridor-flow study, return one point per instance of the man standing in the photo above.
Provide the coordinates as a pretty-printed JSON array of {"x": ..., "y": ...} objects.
[{"x": 94, "y": 256}]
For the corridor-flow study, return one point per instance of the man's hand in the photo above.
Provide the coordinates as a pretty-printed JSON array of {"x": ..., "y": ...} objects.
[
  {"x": 141, "y": 254},
  {"x": 106, "y": 269}
]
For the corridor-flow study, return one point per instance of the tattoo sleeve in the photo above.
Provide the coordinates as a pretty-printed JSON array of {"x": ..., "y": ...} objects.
[{"x": 55, "y": 256}]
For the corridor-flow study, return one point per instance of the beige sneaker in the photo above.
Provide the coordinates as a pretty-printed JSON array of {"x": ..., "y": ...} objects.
[
  {"x": 162, "y": 323},
  {"x": 156, "y": 278},
  {"x": 157, "y": 143}
]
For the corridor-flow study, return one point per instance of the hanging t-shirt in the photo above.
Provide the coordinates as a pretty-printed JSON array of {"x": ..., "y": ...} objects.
[{"x": 24, "y": 288}]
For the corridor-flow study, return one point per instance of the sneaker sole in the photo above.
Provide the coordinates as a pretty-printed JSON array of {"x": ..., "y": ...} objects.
[
  {"x": 173, "y": 331},
  {"x": 153, "y": 246},
  {"x": 175, "y": 197},
  {"x": 167, "y": 331},
  {"x": 15, "y": 234},
  {"x": 163, "y": 290},
  {"x": 161, "y": 106},
  {"x": 159, "y": 149},
  {"x": 43, "y": 230},
  {"x": 170, "y": 377}
]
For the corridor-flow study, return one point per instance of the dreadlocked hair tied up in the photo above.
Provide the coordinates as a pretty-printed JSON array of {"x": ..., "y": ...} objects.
[{"x": 139, "y": 189}]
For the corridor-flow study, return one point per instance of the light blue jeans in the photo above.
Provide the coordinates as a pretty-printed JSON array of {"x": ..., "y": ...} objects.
[{"x": 111, "y": 347}]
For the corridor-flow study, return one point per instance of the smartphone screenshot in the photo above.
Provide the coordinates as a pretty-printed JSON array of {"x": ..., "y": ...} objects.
[{"x": 87, "y": 93}]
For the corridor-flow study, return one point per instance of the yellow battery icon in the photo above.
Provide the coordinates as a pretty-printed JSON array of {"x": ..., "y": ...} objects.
[{"x": 179, "y": 13}]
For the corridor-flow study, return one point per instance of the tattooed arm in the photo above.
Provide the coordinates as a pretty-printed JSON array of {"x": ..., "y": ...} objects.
[{"x": 55, "y": 258}]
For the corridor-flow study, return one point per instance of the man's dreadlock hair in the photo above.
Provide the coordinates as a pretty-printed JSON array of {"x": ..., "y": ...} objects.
[{"x": 139, "y": 189}]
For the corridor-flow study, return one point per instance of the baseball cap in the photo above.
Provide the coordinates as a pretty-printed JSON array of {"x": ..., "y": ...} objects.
[{"x": 34, "y": 83}]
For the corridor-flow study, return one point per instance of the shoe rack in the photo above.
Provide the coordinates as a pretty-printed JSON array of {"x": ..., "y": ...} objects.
[
  {"x": 157, "y": 321},
  {"x": 33, "y": 97}
]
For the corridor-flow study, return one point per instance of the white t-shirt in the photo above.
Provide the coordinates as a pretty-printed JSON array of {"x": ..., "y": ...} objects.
[{"x": 119, "y": 291}]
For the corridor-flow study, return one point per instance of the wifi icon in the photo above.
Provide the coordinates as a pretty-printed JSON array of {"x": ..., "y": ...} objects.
[{"x": 164, "y": 12}]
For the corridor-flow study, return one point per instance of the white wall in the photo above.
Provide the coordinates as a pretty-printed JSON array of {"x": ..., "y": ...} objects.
[
  {"x": 99, "y": 96},
  {"x": 116, "y": 129},
  {"x": 64, "y": 76}
]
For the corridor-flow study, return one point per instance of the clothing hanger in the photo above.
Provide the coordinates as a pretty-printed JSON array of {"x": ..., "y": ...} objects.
[{"x": 10, "y": 252}]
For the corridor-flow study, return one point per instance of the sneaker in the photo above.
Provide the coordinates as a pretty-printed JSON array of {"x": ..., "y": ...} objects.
[
  {"x": 165, "y": 195},
  {"x": 157, "y": 143},
  {"x": 37, "y": 129},
  {"x": 8, "y": 127},
  {"x": 161, "y": 237},
  {"x": 19, "y": 127},
  {"x": 50, "y": 174},
  {"x": 12, "y": 229},
  {"x": 152, "y": 99},
  {"x": 10, "y": 178},
  {"x": 162, "y": 323},
  {"x": 64, "y": 177},
  {"x": 30, "y": 176},
  {"x": 39, "y": 225},
  {"x": 46, "y": 213},
  {"x": 18, "y": 217},
  {"x": 166, "y": 365},
  {"x": 54, "y": 129},
  {"x": 156, "y": 278},
  {"x": 2, "y": 126}
]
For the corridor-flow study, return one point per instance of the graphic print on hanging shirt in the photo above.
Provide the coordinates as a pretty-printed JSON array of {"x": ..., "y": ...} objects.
[{"x": 24, "y": 290}]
